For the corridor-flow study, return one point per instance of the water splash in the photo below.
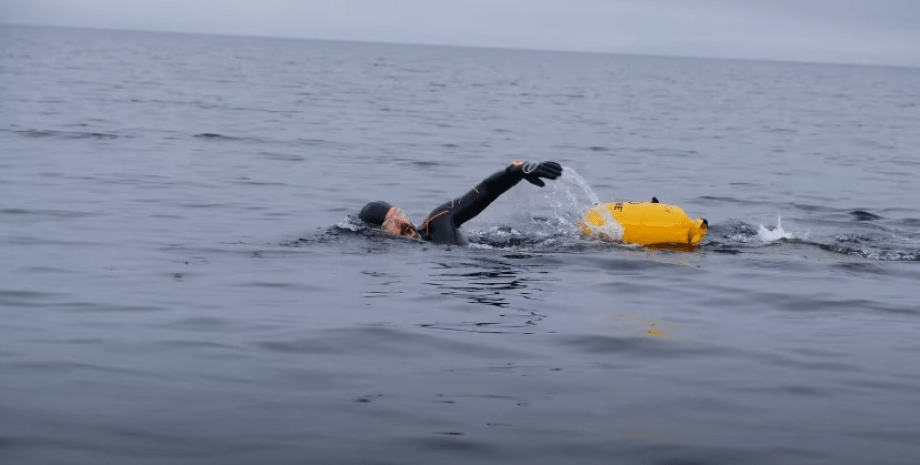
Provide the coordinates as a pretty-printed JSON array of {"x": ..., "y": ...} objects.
[
  {"x": 777, "y": 233},
  {"x": 576, "y": 188},
  {"x": 564, "y": 200},
  {"x": 551, "y": 211}
]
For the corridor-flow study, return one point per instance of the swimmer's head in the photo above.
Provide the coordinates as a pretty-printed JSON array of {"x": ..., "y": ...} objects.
[
  {"x": 375, "y": 213},
  {"x": 389, "y": 218}
]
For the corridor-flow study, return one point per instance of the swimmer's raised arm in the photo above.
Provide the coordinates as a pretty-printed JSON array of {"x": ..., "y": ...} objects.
[
  {"x": 476, "y": 200},
  {"x": 443, "y": 222}
]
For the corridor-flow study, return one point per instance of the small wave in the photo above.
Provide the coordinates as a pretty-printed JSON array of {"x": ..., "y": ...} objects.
[
  {"x": 20, "y": 298},
  {"x": 877, "y": 253},
  {"x": 877, "y": 246},
  {"x": 314, "y": 141},
  {"x": 217, "y": 137},
  {"x": 861, "y": 238},
  {"x": 860, "y": 215},
  {"x": 46, "y": 212},
  {"x": 425, "y": 164},
  {"x": 69, "y": 135},
  {"x": 214, "y": 136},
  {"x": 872, "y": 254},
  {"x": 720, "y": 199},
  {"x": 277, "y": 156},
  {"x": 249, "y": 182}
]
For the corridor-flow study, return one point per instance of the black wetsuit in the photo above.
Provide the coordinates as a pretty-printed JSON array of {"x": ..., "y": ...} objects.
[{"x": 443, "y": 223}]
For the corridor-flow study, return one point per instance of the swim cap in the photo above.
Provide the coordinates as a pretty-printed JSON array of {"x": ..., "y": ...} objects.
[{"x": 375, "y": 213}]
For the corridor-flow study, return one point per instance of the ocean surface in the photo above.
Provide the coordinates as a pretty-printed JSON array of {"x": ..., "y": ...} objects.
[{"x": 182, "y": 280}]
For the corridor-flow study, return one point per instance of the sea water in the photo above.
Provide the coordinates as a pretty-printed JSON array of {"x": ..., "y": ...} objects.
[{"x": 183, "y": 280}]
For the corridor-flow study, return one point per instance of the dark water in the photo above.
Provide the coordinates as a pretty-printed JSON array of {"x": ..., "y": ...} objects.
[{"x": 181, "y": 283}]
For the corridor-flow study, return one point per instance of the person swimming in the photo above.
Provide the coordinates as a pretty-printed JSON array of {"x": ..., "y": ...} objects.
[{"x": 443, "y": 223}]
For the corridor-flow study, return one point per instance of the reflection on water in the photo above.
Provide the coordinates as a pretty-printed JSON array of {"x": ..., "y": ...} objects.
[
  {"x": 507, "y": 285},
  {"x": 638, "y": 326}
]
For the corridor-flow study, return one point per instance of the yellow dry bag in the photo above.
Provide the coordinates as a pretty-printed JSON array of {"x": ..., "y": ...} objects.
[{"x": 644, "y": 223}]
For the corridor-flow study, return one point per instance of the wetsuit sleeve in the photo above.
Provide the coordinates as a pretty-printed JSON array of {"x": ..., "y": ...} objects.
[
  {"x": 442, "y": 223},
  {"x": 476, "y": 200}
]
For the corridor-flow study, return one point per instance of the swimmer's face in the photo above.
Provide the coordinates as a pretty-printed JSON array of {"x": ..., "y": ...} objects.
[{"x": 398, "y": 224}]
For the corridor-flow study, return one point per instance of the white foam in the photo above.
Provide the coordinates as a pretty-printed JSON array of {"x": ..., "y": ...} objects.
[
  {"x": 777, "y": 233},
  {"x": 350, "y": 225},
  {"x": 610, "y": 231}
]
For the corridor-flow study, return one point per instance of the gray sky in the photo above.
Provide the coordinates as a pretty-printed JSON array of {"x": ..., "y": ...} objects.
[{"x": 845, "y": 31}]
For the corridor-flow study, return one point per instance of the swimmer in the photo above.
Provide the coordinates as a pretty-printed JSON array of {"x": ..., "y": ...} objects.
[{"x": 443, "y": 224}]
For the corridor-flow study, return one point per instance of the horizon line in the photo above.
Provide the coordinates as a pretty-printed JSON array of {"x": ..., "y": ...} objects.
[{"x": 482, "y": 47}]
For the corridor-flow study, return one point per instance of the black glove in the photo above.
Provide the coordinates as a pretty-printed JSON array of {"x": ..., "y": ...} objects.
[{"x": 532, "y": 171}]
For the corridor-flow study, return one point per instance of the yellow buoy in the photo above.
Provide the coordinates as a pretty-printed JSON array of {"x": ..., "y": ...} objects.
[{"x": 644, "y": 223}]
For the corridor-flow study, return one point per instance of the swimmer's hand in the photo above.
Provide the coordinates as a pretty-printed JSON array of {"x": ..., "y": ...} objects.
[{"x": 532, "y": 171}]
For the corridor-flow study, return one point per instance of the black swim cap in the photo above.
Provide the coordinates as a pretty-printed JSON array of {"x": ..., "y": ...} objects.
[{"x": 375, "y": 213}]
